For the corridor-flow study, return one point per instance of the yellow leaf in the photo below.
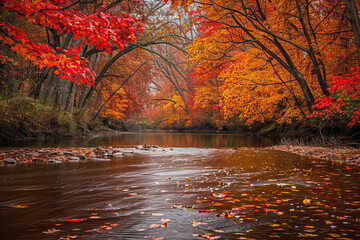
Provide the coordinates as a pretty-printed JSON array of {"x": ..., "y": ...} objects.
[{"x": 306, "y": 201}]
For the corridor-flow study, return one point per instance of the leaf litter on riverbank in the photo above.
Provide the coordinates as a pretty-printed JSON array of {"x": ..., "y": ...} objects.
[{"x": 349, "y": 156}]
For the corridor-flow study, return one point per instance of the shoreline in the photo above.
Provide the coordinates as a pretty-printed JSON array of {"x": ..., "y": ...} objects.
[
  {"x": 337, "y": 155},
  {"x": 342, "y": 155}
]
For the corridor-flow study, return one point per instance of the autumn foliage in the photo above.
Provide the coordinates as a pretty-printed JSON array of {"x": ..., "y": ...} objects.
[
  {"x": 344, "y": 100},
  {"x": 216, "y": 63},
  {"x": 261, "y": 61},
  {"x": 99, "y": 29}
]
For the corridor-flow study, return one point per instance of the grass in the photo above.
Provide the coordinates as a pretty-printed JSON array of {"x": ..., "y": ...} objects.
[{"x": 23, "y": 117}]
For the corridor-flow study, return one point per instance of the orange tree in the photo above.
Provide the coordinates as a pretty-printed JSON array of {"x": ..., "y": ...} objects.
[{"x": 267, "y": 60}]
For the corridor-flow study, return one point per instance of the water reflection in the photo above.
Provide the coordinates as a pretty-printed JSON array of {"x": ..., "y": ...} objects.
[{"x": 164, "y": 139}]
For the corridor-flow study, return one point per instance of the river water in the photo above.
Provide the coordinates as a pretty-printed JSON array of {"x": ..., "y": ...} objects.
[{"x": 195, "y": 186}]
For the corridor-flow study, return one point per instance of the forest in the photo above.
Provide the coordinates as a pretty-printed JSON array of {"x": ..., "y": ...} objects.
[{"x": 70, "y": 66}]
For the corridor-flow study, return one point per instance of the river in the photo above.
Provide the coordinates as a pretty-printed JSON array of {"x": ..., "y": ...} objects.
[{"x": 195, "y": 186}]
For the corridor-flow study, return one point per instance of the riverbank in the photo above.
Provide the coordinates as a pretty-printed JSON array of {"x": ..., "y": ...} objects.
[
  {"x": 58, "y": 155},
  {"x": 24, "y": 118},
  {"x": 342, "y": 155}
]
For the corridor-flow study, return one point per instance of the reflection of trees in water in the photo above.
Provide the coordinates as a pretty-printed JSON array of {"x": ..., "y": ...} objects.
[
  {"x": 166, "y": 139},
  {"x": 163, "y": 139}
]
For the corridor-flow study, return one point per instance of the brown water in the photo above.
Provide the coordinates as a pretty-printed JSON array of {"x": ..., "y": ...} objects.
[
  {"x": 164, "y": 139},
  {"x": 248, "y": 193}
]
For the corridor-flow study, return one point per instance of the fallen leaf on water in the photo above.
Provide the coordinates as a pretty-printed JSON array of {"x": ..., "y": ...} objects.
[
  {"x": 68, "y": 237},
  {"x": 312, "y": 235},
  {"x": 217, "y": 204},
  {"x": 219, "y": 231},
  {"x": 165, "y": 220},
  {"x": 223, "y": 215},
  {"x": 242, "y": 234},
  {"x": 177, "y": 206},
  {"x": 306, "y": 201},
  {"x": 76, "y": 229},
  {"x": 95, "y": 217},
  {"x": 207, "y": 236},
  {"x": 97, "y": 230},
  {"x": 157, "y": 225},
  {"x": 195, "y": 223},
  {"x": 207, "y": 210},
  {"x": 189, "y": 179},
  {"x": 141, "y": 230},
  {"x": 157, "y": 214},
  {"x": 271, "y": 210},
  {"x": 220, "y": 195},
  {"x": 19, "y": 206},
  {"x": 309, "y": 226},
  {"x": 51, "y": 231},
  {"x": 274, "y": 225},
  {"x": 75, "y": 219}
]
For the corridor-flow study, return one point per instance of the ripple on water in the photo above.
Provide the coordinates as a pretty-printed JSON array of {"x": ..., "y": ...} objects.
[{"x": 264, "y": 189}]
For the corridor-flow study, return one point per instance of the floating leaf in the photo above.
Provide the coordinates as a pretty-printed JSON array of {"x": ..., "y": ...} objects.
[
  {"x": 195, "y": 223},
  {"x": 18, "y": 206},
  {"x": 165, "y": 220},
  {"x": 306, "y": 201},
  {"x": 51, "y": 231},
  {"x": 217, "y": 204},
  {"x": 177, "y": 206},
  {"x": 158, "y": 225},
  {"x": 76, "y": 219},
  {"x": 157, "y": 214}
]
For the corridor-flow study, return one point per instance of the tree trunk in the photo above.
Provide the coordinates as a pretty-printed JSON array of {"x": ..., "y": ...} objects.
[
  {"x": 71, "y": 98},
  {"x": 311, "y": 53},
  {"x": 98, "y": 79},
  {"x": 48, "y": 88},
  {"x": 355, "y": 23}
]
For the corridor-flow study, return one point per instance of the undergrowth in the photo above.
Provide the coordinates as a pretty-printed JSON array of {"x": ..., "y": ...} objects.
[{"x": 23, "y": 117}]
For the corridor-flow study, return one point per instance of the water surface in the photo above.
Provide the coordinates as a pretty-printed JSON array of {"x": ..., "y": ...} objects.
[
  {"x": 164, "y": 139},
  {"x": 202, "y": 192}
]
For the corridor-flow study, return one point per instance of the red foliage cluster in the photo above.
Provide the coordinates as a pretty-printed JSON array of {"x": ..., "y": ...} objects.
[
  {"x": 344, "y": 99},
  {"x": 99, "y": 29}
]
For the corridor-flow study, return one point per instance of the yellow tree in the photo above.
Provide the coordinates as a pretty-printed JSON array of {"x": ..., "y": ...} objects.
[{"x": 269, "y": 58}]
